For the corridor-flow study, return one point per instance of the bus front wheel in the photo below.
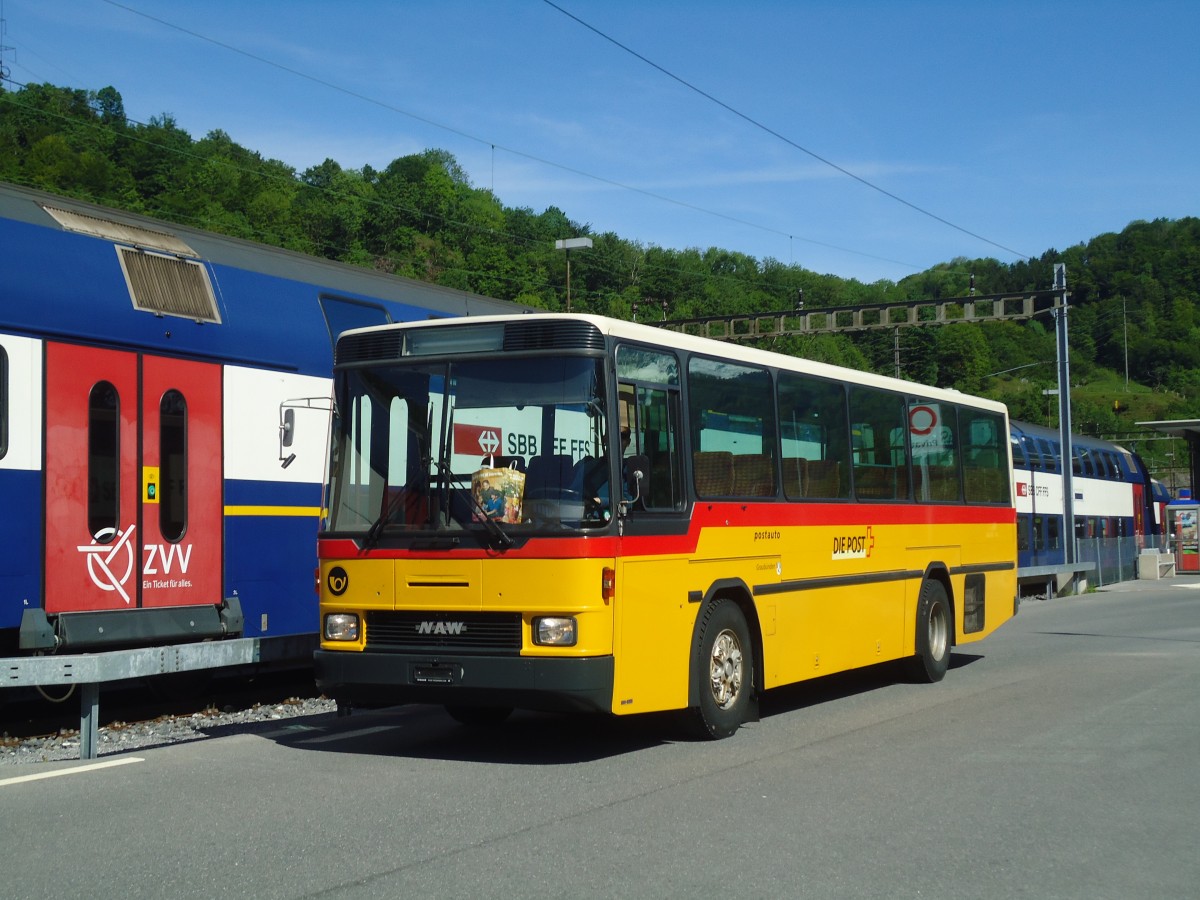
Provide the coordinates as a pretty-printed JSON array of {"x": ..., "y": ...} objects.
[
  {"x": 725, "y": 671},
  {"x": 934, "y": 631}
]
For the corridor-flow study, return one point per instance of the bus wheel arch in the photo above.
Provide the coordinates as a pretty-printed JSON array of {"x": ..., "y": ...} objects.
[
  {"x": 726, "y": 662},
  {"x": 934, "y": 626}
]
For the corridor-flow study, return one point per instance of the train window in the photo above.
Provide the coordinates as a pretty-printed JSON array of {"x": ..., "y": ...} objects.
[
  {"x": 1053, "y": 532},
  {"x": 1121, "y": 468},
  {"x": 342, "y": 314},
  {"x": 1031, "y": 450},
  {"x": 1081, "y": 462},
  {"x": 1039, "y": 532},
  {"x": 1049, "y": 454},
  {"x": 173, "y": 462},
  {"x": 1018, "y": 454},
  {"x": 3, "y": 402},
  {"x": 104, "y": 460},
  {"x": 1114, "y": 467},
  {"x": 1023, "y": 525}
]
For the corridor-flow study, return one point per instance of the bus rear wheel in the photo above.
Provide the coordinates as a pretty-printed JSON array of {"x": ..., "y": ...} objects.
[
  {"x": 724, "y": 670},
  {"x": 934, "y": 632}
]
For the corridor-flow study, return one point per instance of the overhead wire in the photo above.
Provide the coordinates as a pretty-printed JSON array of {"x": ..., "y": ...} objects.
[
  {"x": 493, "y": 144},
  {"x": 771, "y": 131}
]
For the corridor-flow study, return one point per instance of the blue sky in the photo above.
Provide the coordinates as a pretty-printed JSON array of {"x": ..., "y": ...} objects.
[{"x": 1012, "y": 127}]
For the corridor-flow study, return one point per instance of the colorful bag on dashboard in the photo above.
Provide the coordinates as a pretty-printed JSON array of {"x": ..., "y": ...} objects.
[{"x": 499, "y": 493}]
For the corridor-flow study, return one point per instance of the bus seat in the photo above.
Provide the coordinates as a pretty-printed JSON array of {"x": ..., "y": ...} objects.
[
  {"x": 984, "y": 485},
  {"x": 754, "y": 475},
  {"x": 548, "y": 475},
  {"x": 712, "y": 473},
  {"x": 590, "y": 476},
  {"x": 943, "y": 483},
  {"x": 936, "y": 483},
  {"x": 875, "y": 482},
  {"x": 824, "y": 478}
]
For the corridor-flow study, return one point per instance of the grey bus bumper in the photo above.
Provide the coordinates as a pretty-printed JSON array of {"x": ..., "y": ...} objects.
[{"x": 522, "y": 682}]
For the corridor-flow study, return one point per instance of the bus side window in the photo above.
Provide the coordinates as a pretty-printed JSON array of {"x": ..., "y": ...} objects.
[
  {"x": 651, "y": 407},
  {"x": 814, "y": 437},
  {"x": 733, "y": 429},
  {"x": 985, "y": 472},
  {"x": 878, "y": 421}
]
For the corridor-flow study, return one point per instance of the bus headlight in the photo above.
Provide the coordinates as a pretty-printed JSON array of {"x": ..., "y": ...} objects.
[
  {"x": 555, "y": 631},
  {"x": 341, "y": 627}
]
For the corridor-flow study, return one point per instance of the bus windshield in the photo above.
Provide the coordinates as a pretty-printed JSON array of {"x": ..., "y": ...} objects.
[{"x": 487, "y": 445}]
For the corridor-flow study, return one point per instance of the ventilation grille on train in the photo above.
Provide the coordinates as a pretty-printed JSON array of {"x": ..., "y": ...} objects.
[
  {"x": 120, "y": 232},
  {"x": 449, "y": 632},
  {"x": 168, "y": 285}
]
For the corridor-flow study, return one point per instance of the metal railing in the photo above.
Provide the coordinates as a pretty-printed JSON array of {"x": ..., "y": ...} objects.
[{"x": 1116, "y": 559}]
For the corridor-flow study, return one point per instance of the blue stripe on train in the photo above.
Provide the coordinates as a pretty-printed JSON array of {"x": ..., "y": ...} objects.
[
  {"x": 270, "y": 560},
  {"x": 20, "y": 544},
  {"x": 271, "y": 493}
]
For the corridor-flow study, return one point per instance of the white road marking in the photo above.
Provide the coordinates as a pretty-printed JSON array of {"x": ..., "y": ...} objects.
[{"x": 77, "y": 770}]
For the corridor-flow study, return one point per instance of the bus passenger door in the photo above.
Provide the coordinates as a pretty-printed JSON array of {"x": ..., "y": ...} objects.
[{"x": 116, "y": 425}]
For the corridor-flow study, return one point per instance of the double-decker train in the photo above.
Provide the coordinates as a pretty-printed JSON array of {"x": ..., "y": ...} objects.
[
  {"x": 1114, "y": 497},
  {"x": 164, "y": 409}
]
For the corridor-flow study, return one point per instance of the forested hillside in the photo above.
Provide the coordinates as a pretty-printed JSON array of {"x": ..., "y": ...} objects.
[{"x": 1134, "y": 294}]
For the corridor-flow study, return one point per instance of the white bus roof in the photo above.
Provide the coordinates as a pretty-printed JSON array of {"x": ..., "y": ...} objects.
[{"x": 649, "y": 334}]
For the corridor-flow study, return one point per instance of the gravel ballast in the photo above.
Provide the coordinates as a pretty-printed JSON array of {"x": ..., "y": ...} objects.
[{"x": 121, "y": 737}]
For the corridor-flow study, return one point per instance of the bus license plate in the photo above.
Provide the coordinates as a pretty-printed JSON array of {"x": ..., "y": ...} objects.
[{"x": 434, "y": 674}]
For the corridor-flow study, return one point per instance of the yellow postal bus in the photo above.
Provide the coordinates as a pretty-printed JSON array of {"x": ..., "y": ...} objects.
[{"x": 568, "y": 512}]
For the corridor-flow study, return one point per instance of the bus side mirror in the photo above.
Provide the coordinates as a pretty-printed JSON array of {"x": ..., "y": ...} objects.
[
  {"x": 637, "y": 478},
  {"x": 287, "y": 422}
]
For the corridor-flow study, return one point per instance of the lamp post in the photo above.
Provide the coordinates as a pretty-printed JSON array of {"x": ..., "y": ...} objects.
[{"x": 569, "y": 244}]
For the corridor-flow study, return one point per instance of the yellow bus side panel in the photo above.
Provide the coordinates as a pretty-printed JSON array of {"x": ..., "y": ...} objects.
[{"x": 653, "y": 635}]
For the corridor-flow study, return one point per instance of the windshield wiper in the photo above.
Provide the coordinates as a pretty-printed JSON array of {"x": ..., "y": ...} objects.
[
  {"x": 375, "y": 532},
  {"x": 503, "y": 540}
]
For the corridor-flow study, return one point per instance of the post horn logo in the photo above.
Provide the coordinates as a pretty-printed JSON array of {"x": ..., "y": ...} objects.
[{"x": 337, "y": 581}]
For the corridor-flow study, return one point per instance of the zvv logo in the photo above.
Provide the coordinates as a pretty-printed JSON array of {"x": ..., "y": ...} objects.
[{"x": 103, "y": 560}]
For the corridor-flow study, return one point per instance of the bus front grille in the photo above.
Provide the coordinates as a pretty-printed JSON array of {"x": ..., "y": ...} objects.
[{"x": 446, "y": 631}]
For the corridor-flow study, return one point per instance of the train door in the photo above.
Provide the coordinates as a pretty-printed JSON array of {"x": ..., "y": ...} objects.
[
  {"x": 1139, "y": 515},
  {"x": 133, "y": 481}
]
